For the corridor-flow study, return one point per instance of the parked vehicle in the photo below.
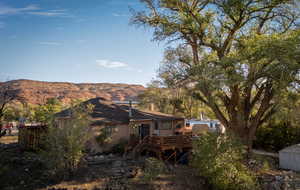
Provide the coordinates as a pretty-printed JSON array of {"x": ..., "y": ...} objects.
[{"x": 199, "y": 127}]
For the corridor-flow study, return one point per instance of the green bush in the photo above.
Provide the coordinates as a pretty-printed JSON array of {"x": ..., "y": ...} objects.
[
  {"x": 153, "y": 168},
  {"x": 276, "y": 136},
  {"x": 119, "y": 148},
  {"x": 65, "y": 144},
  {"x": 219, "y": 159}
]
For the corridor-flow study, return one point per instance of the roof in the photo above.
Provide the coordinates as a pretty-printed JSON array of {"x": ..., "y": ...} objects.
[
  {"x": 107, "y": 112},
  {"x": 294, "y": 148}
]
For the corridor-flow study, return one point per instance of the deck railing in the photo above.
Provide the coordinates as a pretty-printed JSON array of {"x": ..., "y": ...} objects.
[
  {"x": 171, "y": 141},
  {"x": 175, "y": 141}
]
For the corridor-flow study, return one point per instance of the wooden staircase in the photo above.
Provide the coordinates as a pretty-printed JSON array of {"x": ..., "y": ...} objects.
[{"x": 135, "y": 148}]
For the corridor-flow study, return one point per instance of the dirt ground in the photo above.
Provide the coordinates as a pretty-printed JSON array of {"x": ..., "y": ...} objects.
[
  {"x": 20, "y": 170},
  {"x": 9, "y": 139}
]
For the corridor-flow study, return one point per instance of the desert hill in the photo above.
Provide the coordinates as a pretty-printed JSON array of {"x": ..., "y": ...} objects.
[{"x": 37, "y": 92}]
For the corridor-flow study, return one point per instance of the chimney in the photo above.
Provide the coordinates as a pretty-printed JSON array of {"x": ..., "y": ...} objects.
[{"x": 130, "y": 109}]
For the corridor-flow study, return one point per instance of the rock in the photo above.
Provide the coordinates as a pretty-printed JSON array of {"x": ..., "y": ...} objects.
[{"x": 117, "y": 163}]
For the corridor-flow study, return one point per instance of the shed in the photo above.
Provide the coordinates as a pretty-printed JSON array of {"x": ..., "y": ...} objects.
[{"x": 289, "y": 158}]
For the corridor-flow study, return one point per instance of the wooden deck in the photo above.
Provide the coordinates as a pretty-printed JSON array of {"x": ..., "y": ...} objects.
[
  {"x": 160, "y": 144},
  {"x": 169, "y": 142}
]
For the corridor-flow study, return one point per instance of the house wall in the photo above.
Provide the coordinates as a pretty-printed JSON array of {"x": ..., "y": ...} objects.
[
  {"x": 160, "y": 131},
  {"x": 118, "y": 134},
  {"x": 135, "y": 130}
]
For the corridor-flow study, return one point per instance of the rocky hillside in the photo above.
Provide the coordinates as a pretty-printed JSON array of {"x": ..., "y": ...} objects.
[{"x": 37, "y": 92}]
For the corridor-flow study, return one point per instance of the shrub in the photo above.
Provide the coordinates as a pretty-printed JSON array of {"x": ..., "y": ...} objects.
[
  {"x": 65, "y": 144},
  {"x": 153, "y": 168},
  {"x": 105, "y": 136},
  {"x": 119, "y": 148},
  {"x": 276, "y": 136},
  {"x": 219, "y": 160}
]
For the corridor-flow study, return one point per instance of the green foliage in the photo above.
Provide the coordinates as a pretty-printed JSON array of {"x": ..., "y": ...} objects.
[
  {"x": 65, "y": 144},
  {"x": 105, "y": 135},
  {"x": 153, "y": 168},
  {"x": 237, "y": 57},
  {"x": 119, "y": 148},
  {"x": 172, "y": 100},
  {"x": 219, "y": 159},
  {"x": 11, "y": 114},
  {"x": 276, "y": 136},
  {"x": 283, "y": 129},
  {"x": 44, "y": 113},
  {"x": 34, "y": 113}
]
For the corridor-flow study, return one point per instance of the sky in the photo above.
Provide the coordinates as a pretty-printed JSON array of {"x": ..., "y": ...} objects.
[{"x": 76, "y": 41}]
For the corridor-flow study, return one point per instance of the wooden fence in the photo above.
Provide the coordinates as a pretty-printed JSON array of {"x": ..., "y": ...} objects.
[{"x": 32, "y": 137}]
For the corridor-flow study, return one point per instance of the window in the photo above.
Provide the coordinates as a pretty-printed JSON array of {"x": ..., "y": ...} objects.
[
  {"x": 167, "y": 125},
  {"x": 108, "y": 130},
  {"x": 156, "y": 125},
  {"x": 178, "y": 126}
]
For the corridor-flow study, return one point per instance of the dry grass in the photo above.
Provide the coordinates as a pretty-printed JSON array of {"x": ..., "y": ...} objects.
[
  {"x": 77, "y": 185},
  {"x": 9, "y": 139},
  {"x": 23, "y": 170}
]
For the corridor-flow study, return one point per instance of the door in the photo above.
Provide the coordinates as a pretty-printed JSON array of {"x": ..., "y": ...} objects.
[{"x": 144, "y": 130}]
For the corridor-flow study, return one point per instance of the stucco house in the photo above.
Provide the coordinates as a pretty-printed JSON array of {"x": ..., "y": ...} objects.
[{"x": 123, "y": 121}]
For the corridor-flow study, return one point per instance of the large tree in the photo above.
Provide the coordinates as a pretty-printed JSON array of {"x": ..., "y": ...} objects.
[
  {"x": 243, "y": 53},
  {"x": 7, "y": 96},
  {"x": 165, "y": 97}
]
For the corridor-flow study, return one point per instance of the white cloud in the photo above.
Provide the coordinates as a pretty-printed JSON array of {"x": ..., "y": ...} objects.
[
  {"x": 120, "y": 15},
  {"x": 50, "y": 13},
  {"x": 33, "y": 10},
  {"x": 111, "y": 64},
  {"x": 50, "y": 43},
  {"x": 7, "y": 10}
]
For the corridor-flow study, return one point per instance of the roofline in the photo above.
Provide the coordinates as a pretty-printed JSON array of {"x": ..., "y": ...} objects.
[{"x": 140, "y": 120}]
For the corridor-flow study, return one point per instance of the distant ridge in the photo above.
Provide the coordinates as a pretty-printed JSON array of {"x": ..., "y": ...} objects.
[{"x": 37, "y": 92}]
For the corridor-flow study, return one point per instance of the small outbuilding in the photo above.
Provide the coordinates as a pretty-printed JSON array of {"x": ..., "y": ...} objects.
[{"x": 289, "y": 158}]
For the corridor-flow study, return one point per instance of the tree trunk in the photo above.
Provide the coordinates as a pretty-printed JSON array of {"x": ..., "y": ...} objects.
[
  {"x": 2, "y": 131},
  {"x": 245, "y": 133}
]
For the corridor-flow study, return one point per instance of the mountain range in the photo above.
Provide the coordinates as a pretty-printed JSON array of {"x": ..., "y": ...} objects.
[{"x": 37, "y": 92}]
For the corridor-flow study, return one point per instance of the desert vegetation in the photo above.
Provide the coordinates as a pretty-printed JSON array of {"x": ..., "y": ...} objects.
[{"x": 235, "y": 61}]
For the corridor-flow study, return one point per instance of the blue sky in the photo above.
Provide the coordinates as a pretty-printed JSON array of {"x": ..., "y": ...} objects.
[{"x": 75, "y": 41}]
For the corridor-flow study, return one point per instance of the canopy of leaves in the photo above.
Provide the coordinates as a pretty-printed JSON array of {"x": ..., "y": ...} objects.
[{"x": 237, "y": 56}]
